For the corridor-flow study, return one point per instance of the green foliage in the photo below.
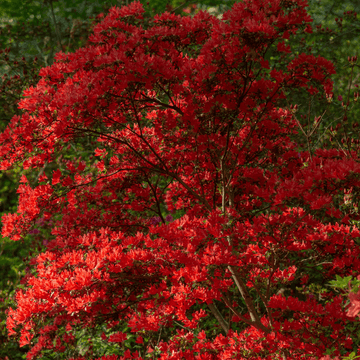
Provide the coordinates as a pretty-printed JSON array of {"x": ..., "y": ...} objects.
[
  {"x": 345, "y": 283},
  {"x": 12, "y": 269},
  {"x": 351, "y": 356},
  {"x": 336, "y": 30}
]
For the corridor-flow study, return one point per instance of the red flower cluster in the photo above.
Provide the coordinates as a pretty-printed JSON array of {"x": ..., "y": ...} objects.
[{"x": 185, "y": 115}]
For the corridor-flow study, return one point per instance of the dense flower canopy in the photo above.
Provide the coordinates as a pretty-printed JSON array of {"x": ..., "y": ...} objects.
[{"x": 183, "y": 116}]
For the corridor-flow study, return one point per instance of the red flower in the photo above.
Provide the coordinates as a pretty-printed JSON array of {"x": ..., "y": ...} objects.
[
  {"x": 187, "y": 113},
  {"x": 118, "y": 337}
]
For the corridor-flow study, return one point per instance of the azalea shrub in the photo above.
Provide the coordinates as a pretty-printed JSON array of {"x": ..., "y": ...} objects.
[{"x": 199, "y": 227}]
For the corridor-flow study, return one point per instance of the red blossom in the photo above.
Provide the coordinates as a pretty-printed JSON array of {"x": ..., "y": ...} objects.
[
  {"x": 186, "y": 111},
  {"x": 118, "y": 337}
]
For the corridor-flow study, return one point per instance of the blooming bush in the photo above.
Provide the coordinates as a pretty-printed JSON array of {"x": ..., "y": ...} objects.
[{"x": 186, "y": 115}]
